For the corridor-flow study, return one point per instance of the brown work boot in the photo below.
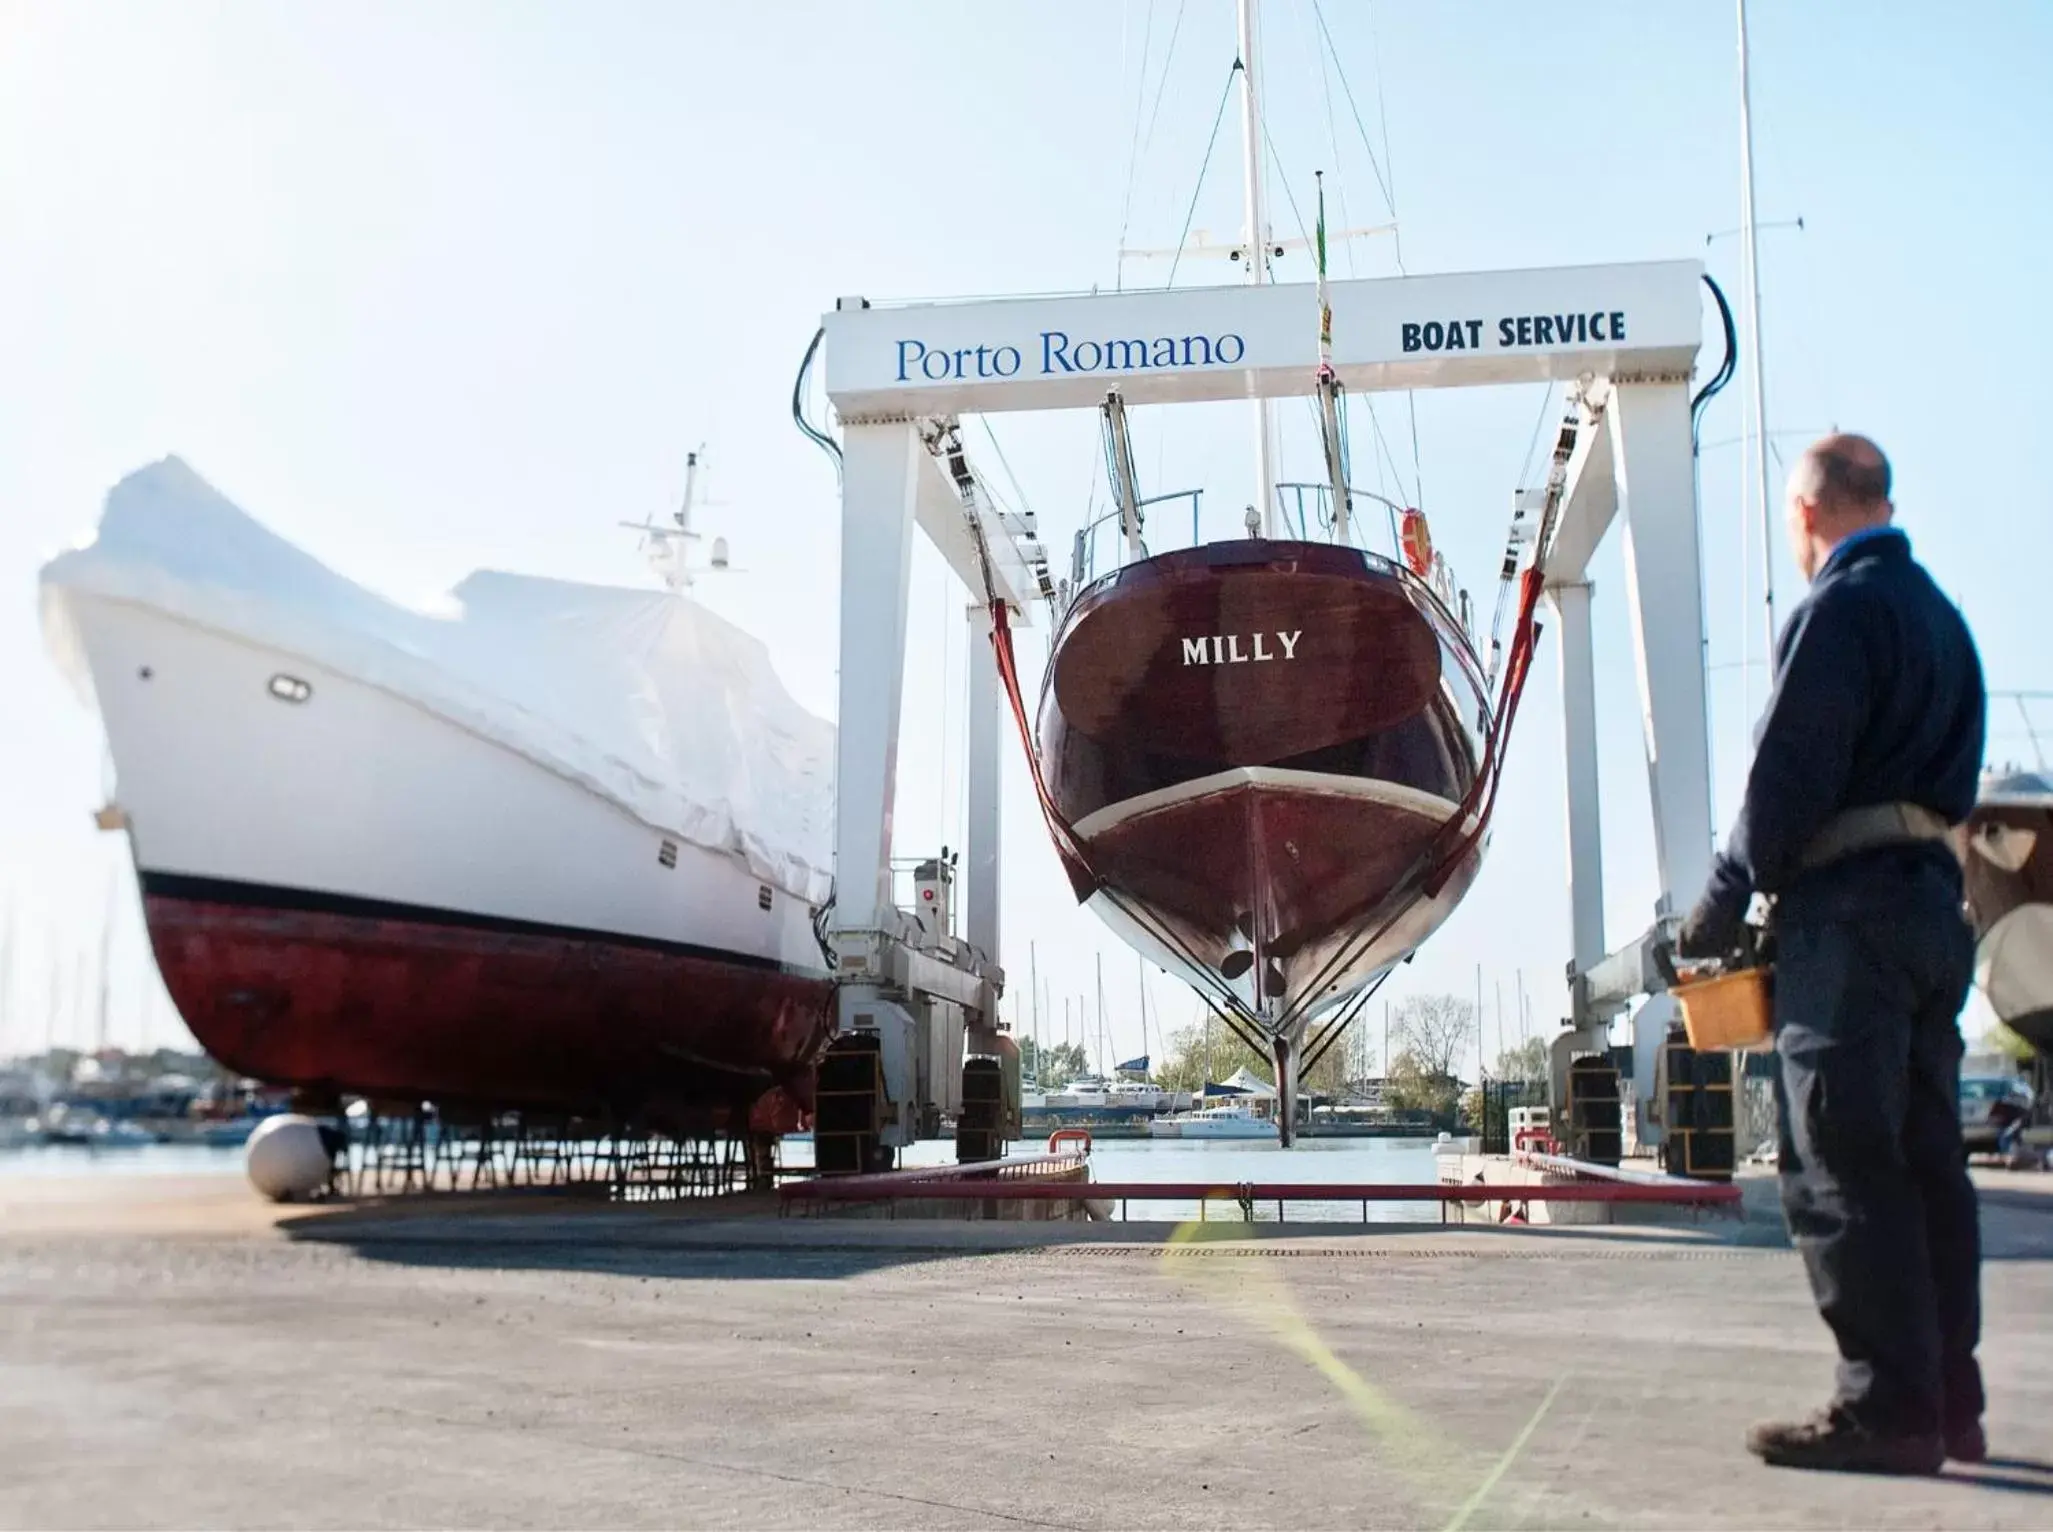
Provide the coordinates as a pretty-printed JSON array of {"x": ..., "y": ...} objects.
[
  {"x": 1966, "y": 1443},
  {"x": 1834, "y": 1441}
]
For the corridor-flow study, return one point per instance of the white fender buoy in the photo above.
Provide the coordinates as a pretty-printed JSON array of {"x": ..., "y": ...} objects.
[{"x": 286, "y": 1158}]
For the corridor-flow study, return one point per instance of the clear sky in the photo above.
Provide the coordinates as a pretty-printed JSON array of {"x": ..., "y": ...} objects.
[{"x": 430, "y": 288}]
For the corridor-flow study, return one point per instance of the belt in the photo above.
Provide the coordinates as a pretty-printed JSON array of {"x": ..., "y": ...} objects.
[{"x": 1874, "y": 826}]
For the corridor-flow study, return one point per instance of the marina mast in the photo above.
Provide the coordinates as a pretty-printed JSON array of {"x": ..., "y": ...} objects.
[
  {"x": 1257, "y": 247},
  {"x": 1750, "y": 306}
]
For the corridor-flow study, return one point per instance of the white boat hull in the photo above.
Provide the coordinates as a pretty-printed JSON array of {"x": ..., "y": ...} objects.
[{"x": 418, "y": 908}]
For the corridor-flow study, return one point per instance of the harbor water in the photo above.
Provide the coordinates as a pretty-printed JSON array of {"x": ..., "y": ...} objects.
[
  {"x": 1222, "y": 1163},
  {"x": 1225, "y": 1163}
]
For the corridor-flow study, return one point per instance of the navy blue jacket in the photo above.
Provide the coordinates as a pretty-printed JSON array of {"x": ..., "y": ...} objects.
[{"x": 1878, "y": 699}]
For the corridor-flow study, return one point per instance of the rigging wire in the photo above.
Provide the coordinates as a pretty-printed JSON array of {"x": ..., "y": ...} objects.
[
  {"x": 1383, "y": 125},
  {"x": 1387, "y": 184},
  {"x": 1276, "y": 158},
  {"x": 1350, "y": 1010},
  {"x": 1162, "y": 84},
  {"x": 1525, "y": 469},
  {"x": 1133, "y": 152},
  {"x": 1010, "y": 477},
  {"x": 1318, "y": 63},
  {"x": 1418, "y": 472},
  {"x": 1211, "y": 143},
  {"x": 1389, "y": 457},
  {"x": 1383, "y": 184}
]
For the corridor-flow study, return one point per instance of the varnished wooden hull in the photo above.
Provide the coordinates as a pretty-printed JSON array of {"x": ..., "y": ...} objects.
[{"x": 1258, "y": 745}]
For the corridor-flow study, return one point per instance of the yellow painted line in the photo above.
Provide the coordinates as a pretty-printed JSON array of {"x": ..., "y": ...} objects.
[
  {"x": 1423, "y": 1454},
  {"x": 1468, "y": 1506}
]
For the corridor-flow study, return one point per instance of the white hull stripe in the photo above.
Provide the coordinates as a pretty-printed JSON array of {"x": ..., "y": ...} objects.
[{"x": 1396, "y": 795}]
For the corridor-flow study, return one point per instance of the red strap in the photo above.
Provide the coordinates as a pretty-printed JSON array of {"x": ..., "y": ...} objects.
[
  {"x": 1481, "y": 796},
  {"x": 1081, "y": 878}
]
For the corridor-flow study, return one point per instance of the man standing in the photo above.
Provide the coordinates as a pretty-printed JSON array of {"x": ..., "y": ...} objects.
[{"x": 1866, "y": 759}]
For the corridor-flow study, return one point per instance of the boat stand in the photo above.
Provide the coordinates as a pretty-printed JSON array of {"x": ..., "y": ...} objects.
[{"x": 399, "y": 1150}]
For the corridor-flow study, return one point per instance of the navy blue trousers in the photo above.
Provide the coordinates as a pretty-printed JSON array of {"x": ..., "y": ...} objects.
[{"x": 1872, "y": 964}]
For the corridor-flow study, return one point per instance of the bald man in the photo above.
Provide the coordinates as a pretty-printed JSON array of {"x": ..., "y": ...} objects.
[{"x": 1865, "y": 760}]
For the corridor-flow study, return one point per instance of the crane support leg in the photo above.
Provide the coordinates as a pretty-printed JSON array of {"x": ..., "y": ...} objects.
[
  {"x": 880, "y": 478},
  {"x": 1656, "y": 478},
  {"x": 1585, "y": 805},
  {"x": 1657, "y": 491},
  {"x": 986, "y": 721}
]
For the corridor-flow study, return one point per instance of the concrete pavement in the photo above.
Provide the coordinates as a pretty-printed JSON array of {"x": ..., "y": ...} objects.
[{"x": 179, "y": 1361}]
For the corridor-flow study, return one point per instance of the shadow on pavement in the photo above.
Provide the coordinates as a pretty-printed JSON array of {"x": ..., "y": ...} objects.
[
  {"x": 743, "y": 1239},
  {"x": 2014, "y": 1476},
  {"x": 2016, "y": 1225}
]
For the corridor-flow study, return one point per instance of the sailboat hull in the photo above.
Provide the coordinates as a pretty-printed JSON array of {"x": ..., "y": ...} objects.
[{"x": 1260, "y": 747}]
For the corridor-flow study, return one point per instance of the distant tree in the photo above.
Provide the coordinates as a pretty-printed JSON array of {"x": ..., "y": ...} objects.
[
  {"x": 1329, "y": 1076},
  {"x": 1410, "y": 1086},
  {"x": 1183, "y": 1063},
  {"x": 1434, "y": 1030},
  {"x": 1054, "y": 1065},
  {"x": 1183, "y": 1066},
  {"x": 1528, "y": 1061}
]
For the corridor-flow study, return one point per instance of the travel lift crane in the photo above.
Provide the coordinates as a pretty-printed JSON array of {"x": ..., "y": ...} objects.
[{"x": 899, "y": 377}]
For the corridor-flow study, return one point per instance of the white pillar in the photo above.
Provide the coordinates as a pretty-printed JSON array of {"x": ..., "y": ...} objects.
[
  {"x": 1585, "y": 803},
  {"x": 879, "y": 473},
  {"x": 986, "y": 731},
  {"x": 1657, "y": 491}
]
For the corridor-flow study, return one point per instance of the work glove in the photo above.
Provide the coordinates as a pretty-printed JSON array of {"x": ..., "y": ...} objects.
[{"x": 1714, "y": 929}]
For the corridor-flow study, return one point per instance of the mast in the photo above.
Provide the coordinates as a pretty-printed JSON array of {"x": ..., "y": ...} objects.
[
  {"x": 1479, "y": 1018},
  {"x": 1104, "y": 1039},
  {"x": 1256, "y": 241},
  {"x": 1750, "y": 305},
  {"x": 1140, "y": 969},
  {"x": 1034, "y": 1003},
  {"x": 106, "y": 946},
  {"x": 1329, "y": 388},
  {"x": 691, "y": 493}
]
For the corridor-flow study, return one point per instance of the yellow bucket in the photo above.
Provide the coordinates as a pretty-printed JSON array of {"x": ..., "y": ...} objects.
[{"x": 1734, "y": 1010}]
